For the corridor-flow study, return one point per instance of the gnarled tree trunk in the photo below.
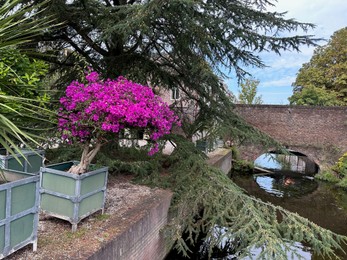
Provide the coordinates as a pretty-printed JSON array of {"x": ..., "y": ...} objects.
[{"x": 86, "y": 158}]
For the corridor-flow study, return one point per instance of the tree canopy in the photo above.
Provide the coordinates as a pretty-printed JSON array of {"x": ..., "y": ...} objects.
[
  {"x": 248, "y": 92},
  {"x": 190, "y": 45},
  {"x": 323, "y": 80},
  {"x": 315, "y": 96},
  {"x": 165, "y": 40}
]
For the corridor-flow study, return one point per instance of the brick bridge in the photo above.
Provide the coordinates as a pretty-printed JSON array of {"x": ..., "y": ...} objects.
[{"x": 320, "y": 133}]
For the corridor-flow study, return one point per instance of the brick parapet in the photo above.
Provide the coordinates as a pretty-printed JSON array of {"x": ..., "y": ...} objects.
[{"x": 313, "y": 130}]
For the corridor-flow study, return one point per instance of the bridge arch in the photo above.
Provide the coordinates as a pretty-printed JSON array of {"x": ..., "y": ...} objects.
[
  {"x": 320, "y": 133},
  {"x": 297, "y": 161}
]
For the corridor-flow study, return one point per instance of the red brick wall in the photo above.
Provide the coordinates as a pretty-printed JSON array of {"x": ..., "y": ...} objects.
[{"x": 306, "y": 128}]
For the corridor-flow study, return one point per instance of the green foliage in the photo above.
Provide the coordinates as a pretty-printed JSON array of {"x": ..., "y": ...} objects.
[
  {"x": 205, "y": 198},
  {"x": 62, "y": 154},
  {"x": 22, "y": 94},
  {"x": 242, "y": 167},
  {"x": 341, "y": 166},
  {"x": 71, "y": 236},
  {"x": 127, "y": 34},
  {"x": 248, "y": 93},
  {"x": 147, "y": 42},
  {"x": 21, "y": 76},
  {"x": 342, "y": 183},
  {"x": 337, "y": 173},
  {"x": 139, "y": 168},
  {"x": 235, "y": 153},
  {"x": 328, "y": 176},
  {"x": 325, "y": 75},
  {"x": 17, "y": 26},
  {"x": 102, "y": 217},
  {"x": 341, "y": 169},
  {"x": 315, "y": 96},
  {"x": 125, "y": 160}
]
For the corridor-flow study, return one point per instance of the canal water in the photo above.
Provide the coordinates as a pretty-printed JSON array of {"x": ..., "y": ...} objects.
[
  {"x": 293, "y": 187},
  {"x": 320, "y": 202}
]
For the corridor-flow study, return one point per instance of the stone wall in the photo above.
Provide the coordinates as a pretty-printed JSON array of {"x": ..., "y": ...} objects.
[{"x": 318, "y": 132}]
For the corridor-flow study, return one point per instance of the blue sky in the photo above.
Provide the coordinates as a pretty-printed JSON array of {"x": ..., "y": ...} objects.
[{"x": 275, "y": 81}]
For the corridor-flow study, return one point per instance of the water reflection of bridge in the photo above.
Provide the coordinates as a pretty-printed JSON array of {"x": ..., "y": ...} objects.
[
  {"x": 320, "y": 133},
  {"x": 296, "y": 161}
]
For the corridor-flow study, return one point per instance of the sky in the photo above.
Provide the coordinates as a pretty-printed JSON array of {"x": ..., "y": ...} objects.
[{"x": 276, "y": 80}]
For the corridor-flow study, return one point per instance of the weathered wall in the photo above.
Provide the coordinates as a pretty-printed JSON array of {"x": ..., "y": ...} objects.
[
  {"x": 318, "y": 132},
  {"x": 143, "y": 239},
  {"x": 221, "y": 158}
]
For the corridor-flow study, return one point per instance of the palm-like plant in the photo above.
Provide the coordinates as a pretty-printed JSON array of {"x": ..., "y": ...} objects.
[{"x": 18, "y": 25}]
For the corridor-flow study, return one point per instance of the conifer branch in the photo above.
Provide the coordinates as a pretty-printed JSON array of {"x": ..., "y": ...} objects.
[{"x": 205, "y": 199}]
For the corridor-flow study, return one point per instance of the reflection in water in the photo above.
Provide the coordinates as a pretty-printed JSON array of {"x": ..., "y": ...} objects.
[
  {"x": 320, "y": 202},
  {"x": 269, "y": 161},
  {"x": 291, "y": 162},
  {"x": 290, "y": 187},
  {"x": 285, "y": 186},
  {"x": 298, "y": 247}
]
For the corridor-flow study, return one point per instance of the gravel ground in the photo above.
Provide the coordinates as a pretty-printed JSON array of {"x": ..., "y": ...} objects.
[{"x": 57, "y": 242}]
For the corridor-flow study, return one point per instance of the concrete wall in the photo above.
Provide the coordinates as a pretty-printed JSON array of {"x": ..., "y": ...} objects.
[
  {"x": 221, "y": 158},
  {"x": 141, "y": 238}
]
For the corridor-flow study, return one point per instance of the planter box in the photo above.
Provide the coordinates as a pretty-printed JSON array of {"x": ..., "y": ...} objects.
[
  {"x": 19, "y": 211},
  {"x": 32, "y": 163},
  {"x": 69, "y": 196},
  {"x": 209, "y": 146}
]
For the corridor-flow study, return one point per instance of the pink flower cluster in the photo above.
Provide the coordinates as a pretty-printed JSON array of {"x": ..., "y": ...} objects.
[{"x": 93, "y": 110}]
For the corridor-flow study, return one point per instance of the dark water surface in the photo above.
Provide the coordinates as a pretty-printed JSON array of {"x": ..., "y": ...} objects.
[{"x": 320, "y": 202}]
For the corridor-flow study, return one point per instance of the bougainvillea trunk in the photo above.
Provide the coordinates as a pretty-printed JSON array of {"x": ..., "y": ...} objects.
[{"x": 87, "y": 156}]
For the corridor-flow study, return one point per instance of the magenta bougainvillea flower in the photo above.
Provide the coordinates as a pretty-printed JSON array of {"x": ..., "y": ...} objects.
[{"x": 93, "y": 110}]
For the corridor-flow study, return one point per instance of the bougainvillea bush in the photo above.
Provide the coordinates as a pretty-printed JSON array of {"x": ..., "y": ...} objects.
[{"x": 95, "y": 111}]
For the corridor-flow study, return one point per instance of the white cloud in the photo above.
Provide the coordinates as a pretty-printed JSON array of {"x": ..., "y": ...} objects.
[
  {"x": 287, "y": 61},
  {"x": 275, "y": 81},
  {"x": 328, "y": 16},
  {"x": 281, "y": 82}
]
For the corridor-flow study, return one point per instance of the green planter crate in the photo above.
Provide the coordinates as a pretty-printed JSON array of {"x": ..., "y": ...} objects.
[
  {"x": 70, "y": 196},
  {"x": 32, "y": 164},
  {"x": 19, "y": 211}
]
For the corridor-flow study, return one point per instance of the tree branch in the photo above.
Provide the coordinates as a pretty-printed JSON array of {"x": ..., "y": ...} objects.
[
  {"x": 83, "y": 53},
  {"x": 87, "y": 39}
]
